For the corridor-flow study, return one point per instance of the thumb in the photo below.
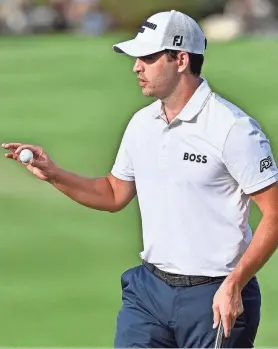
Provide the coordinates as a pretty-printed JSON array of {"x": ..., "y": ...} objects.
[
  {"x": 36, "y": 163},
  {"x": 216, "y": 316},
  {"x": 33, "y": 164}
]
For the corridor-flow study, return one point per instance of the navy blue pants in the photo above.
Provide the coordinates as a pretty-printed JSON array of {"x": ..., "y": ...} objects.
[{"x": 155, "y": 315}]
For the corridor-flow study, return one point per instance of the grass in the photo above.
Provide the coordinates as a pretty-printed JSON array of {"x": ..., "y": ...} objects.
[{"x": 60, "y": 262}]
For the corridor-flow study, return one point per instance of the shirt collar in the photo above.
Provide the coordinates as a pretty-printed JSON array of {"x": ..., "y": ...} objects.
[{"x": 193, "y": 106}]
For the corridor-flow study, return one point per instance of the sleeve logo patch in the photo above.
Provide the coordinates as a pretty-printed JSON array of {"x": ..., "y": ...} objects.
[{"x": 266, "y": 163}]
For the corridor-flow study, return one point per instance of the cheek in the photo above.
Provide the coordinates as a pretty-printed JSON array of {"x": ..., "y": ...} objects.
[
  {"x": 157, "y": 75},
  {"x": 164, "y": 78}
]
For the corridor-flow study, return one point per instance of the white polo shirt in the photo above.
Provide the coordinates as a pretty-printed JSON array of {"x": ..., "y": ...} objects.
[{"x": 193, "y": 177}]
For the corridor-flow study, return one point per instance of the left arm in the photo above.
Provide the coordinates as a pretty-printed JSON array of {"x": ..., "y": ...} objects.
[
  {"x": 265, "y": 240},
  {"x": 256, "y": 173},
  {"x": 227, "y": 301}
]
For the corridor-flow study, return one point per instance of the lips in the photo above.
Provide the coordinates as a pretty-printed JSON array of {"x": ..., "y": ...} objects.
[
  {"x": 142, "y": 82},
  {"x": 141, "y": 78}
]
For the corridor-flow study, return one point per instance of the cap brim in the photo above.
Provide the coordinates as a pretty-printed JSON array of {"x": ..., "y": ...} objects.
[{"x": 136, "y": 48}]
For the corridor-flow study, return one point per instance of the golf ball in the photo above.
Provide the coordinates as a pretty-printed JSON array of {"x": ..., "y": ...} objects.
[{"x": 25, "y": 155}]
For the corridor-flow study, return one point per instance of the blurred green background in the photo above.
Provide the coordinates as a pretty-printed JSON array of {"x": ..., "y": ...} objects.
[{"x": 60, "y": 263}]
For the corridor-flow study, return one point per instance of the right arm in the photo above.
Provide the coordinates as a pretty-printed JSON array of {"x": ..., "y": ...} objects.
[{"x": 104, "y": 194}]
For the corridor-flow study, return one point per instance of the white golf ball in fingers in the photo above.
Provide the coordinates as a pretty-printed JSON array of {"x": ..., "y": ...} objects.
[{"x": 26, "y": 155}]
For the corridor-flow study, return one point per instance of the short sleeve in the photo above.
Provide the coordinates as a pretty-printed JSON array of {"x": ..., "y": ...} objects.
[
  {"x": 123, "y": 167},
  {"x": 248, "y": 157}
]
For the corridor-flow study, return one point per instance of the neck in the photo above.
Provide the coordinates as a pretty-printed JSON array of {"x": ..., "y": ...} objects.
[{"x": 174, "y": 103}]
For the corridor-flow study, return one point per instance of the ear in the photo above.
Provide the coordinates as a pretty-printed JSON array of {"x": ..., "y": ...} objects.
[{"x": 183, "y": 61}]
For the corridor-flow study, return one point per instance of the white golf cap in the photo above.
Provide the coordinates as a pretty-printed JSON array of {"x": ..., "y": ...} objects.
[{"x": 170, "y": 30}]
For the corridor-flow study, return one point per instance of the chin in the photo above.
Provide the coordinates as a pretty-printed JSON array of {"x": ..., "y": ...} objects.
[{"x": 148, "y": 92}]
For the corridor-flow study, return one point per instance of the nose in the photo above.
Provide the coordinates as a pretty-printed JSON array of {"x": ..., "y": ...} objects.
[{"x": 138, "y": 67}]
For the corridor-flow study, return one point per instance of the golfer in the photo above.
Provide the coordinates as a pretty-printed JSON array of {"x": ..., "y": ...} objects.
[{"x": 195, "y": 162}]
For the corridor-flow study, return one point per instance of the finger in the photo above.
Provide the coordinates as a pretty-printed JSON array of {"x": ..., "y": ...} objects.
[
  {"x": 233, "y": 321},
  {"x": 234, "y": 318},
  {"x": 226, "y": 319},
  {"x": 15, "y": 157},
  {"x": 35, "y": 149},
  {"x": 11, "y": 156},
  {"x": 216, "y": 316},
  {"x": 12, "y": 146},
  {"x": 30, "y": 165}
]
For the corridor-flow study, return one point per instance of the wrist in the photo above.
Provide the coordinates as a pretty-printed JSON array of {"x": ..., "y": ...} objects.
[
  {"x": 55, "y": 175},
  {"x": 236, "y": 281}
]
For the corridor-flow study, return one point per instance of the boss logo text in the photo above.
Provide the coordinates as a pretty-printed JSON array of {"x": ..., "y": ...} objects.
[{"x": 195, "y": 158}]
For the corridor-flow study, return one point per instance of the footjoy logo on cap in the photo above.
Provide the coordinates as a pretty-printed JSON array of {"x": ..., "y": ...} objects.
[
  {"x": 178, "y": 40},
  {"x": 149, "y": 25}
]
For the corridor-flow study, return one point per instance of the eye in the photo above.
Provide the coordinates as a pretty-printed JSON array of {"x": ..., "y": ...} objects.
[{"x": 149, "y": 59}]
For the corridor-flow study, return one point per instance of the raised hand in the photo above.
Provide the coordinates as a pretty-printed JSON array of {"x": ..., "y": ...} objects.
[{"x": 41, "y": 165}]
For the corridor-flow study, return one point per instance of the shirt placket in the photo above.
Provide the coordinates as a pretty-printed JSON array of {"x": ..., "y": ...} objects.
[{"x": 164, "y": 149}]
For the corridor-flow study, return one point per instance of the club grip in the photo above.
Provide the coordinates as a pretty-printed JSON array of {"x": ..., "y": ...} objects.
[{"x": 219, "y": 336}]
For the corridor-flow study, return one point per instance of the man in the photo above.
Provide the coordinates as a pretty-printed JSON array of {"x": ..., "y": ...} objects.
[{"x": 195, "y": 161}]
